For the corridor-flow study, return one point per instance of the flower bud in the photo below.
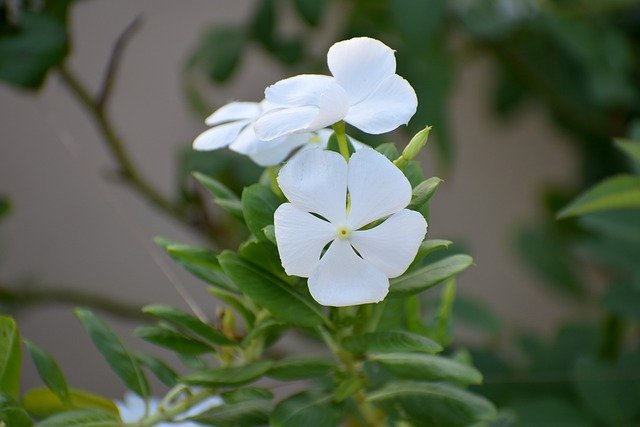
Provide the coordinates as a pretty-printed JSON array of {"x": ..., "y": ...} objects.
[{"x": 416, "y": 144}]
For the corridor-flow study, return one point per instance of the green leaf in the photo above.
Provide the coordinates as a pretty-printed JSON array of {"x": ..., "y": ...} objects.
[
  {"x": 258, "y": 204},
  {"x": 42, "y": 402},
  {"x": 429, "y": 276},
  {"x": 116, "y": 355},
  {"x": 232, "y": 376},
  {"x": 475, "y": 315},
  {"x": 270, "y": 292},
  {"x": 427, "y": 367},
  {"x": 389, "y": 150},
  {"x": 10, "y": 357},
  {"x": 423, "y": 192},
  {"x": 311, "y": 10},
  {"x": 27, "y": 55},
  {"x": 246, "y": 393},
  {"x": 49, "y": 371},
  {"x": 243, "y": 414},
  {"x": 263, "y": 255},
  {"x": 219, "y": 52},
  {"x": 427, "y": 247},
  {"x": 12, "y": 414},
  {"x": 308, "y": 409},
  {"x": 435, "y": 404},
  {"x": 631, "y": 149},
  {"x": 5, "y": 207},
  {"x": 159, "y": 368},
  {"x": 82, "y": 418},
  {"x": 222, "y": 196},
  {"x": 202, "y": 263},
  {"x": 618, "y": 192},
  {"x": 172, "y": 340},
  {"x": 390, "y": 342},
  {"x": 624, "y": 300},
  {"x": 300, "y": 367},
  {"x": 549, "y": 412},
  {"x": 187, "y": 322},
  {"x": 263, "y": 22}
]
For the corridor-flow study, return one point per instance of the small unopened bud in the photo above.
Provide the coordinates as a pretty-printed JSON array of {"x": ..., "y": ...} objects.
[{"x": 416, "y": 144}]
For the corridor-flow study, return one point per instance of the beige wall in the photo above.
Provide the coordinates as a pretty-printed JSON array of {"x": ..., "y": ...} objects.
[{"x": 73, "y": 227}]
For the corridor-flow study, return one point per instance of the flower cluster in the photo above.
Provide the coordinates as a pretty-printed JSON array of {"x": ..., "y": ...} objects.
[{"x": 345, "y": 226}]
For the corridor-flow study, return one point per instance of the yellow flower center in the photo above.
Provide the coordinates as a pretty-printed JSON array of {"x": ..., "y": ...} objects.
[
  {"x": 315, "y": 139},
  {"x": 343, "y": 233}
]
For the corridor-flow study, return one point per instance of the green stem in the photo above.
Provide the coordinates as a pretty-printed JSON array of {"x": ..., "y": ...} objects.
[
  {"x": 343, "y": 144},
  {"x": 168, "y": 414}
]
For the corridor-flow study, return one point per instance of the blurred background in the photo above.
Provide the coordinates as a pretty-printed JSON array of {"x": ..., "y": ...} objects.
[{"x": 525, "y": 98}]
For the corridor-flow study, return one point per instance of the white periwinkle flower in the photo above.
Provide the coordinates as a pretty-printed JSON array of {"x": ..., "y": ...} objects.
[
  {"x": 233, "y": 127},
  {"x": 365, "y": 91},
  {"x": 132, "y": 410},
  {"x": 331, "y": 201}
]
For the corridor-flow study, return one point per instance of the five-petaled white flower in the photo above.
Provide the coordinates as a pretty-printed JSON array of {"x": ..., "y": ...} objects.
[
  {"x": 233, "y": 127},
  {"x": 332, "y": 201},
  {"x": 365, "y": 91},
  {"x": 132, "y": 410}
]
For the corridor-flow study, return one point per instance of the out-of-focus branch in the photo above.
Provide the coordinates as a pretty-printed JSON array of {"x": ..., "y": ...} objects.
[{"x": 22, "y": 297}]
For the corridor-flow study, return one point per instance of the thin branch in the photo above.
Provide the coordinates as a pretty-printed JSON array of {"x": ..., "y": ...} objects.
[
  {"x": 21, "y": 297},
  {"x": 113, "y": 64}
]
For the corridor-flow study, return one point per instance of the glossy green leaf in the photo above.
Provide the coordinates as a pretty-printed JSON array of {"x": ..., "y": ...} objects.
[
  {"x": 300, "y": 367},
  {"x": 631, "y": 149},
  {"x": 435, "y": 403},
  {"x": 222, "y": 196},
  {"x": 159, "y": 368},
  {"x": 172, "y": 340},
  {"x": 309, "y": 409},
  {"x": 270, "y": 292},
  {"x": 263, "y": 255},
  {"x": 10, "y": 357},
  {"x": 430, "y": 275},
  {"x": 27, "y": 55},
  {"x": 390, "y": 342},
  {"x": 12, "y": 414},
  {"x": 618, "y": 192},
  {"x": 427, "y": 247},
  {"x": 82, "y": 418},
  {"x": 311, "y": 10},
  {"x": 247, "y": 413},
  {"x": 427, "y": 367},
  {"x": 258, "y": 204},
  {"x": 246, "y": 393},
  {"x": 49, "y": 371},
  {"x": 116, "y": 355},
  {"x": 231, "y": 376},
  {"x": 188, "y": 322},
  {"x": 42, "y": 402},
  {"x": 202, "y": 263}
]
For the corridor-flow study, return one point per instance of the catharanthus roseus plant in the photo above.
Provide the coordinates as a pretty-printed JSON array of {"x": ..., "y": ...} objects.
[{"x": 336, "y": 251}]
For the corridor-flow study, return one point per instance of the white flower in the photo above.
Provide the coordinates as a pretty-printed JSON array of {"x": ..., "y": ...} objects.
[
  {"x": 233, "y": 127},
  {"x": 132, "y": 410},
  {"x": 364, "y": 91},
  {"x": 356, "y": 267}
]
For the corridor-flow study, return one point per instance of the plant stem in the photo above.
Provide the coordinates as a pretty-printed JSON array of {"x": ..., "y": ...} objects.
[
  {"x": 115, "y": 145},
  {"x": 168, "y": 414},
  {"x": 343, "y": 144}
]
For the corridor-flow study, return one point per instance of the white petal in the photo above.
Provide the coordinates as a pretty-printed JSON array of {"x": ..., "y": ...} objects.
[
  {"x": 304, "y": 89},
  {"x": 284, "y": 121},
  {"x": 392, "y": 104},
  {"x": 377, "y": 188},
  {"x": 360, "y": 64},
  {"x": 392, "y": 245},
  {"x": 219, "y": 136},
  {"x": 247, "y": 142},
  {"x": 234, "y": 111},
  {"x": 316, "y": 181},
  {"x": 301, "y": 238},
  {"x": 343, "y": 278},
  {"x": 270, "y": 153}
]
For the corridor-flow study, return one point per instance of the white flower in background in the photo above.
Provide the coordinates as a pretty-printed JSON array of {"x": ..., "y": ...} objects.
[
  {"x": 356, "y": 267},
  {"x": 365, "y": 91},
  {"x": 233, "y": 128},
  {"x": 132, "y": 410}
]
